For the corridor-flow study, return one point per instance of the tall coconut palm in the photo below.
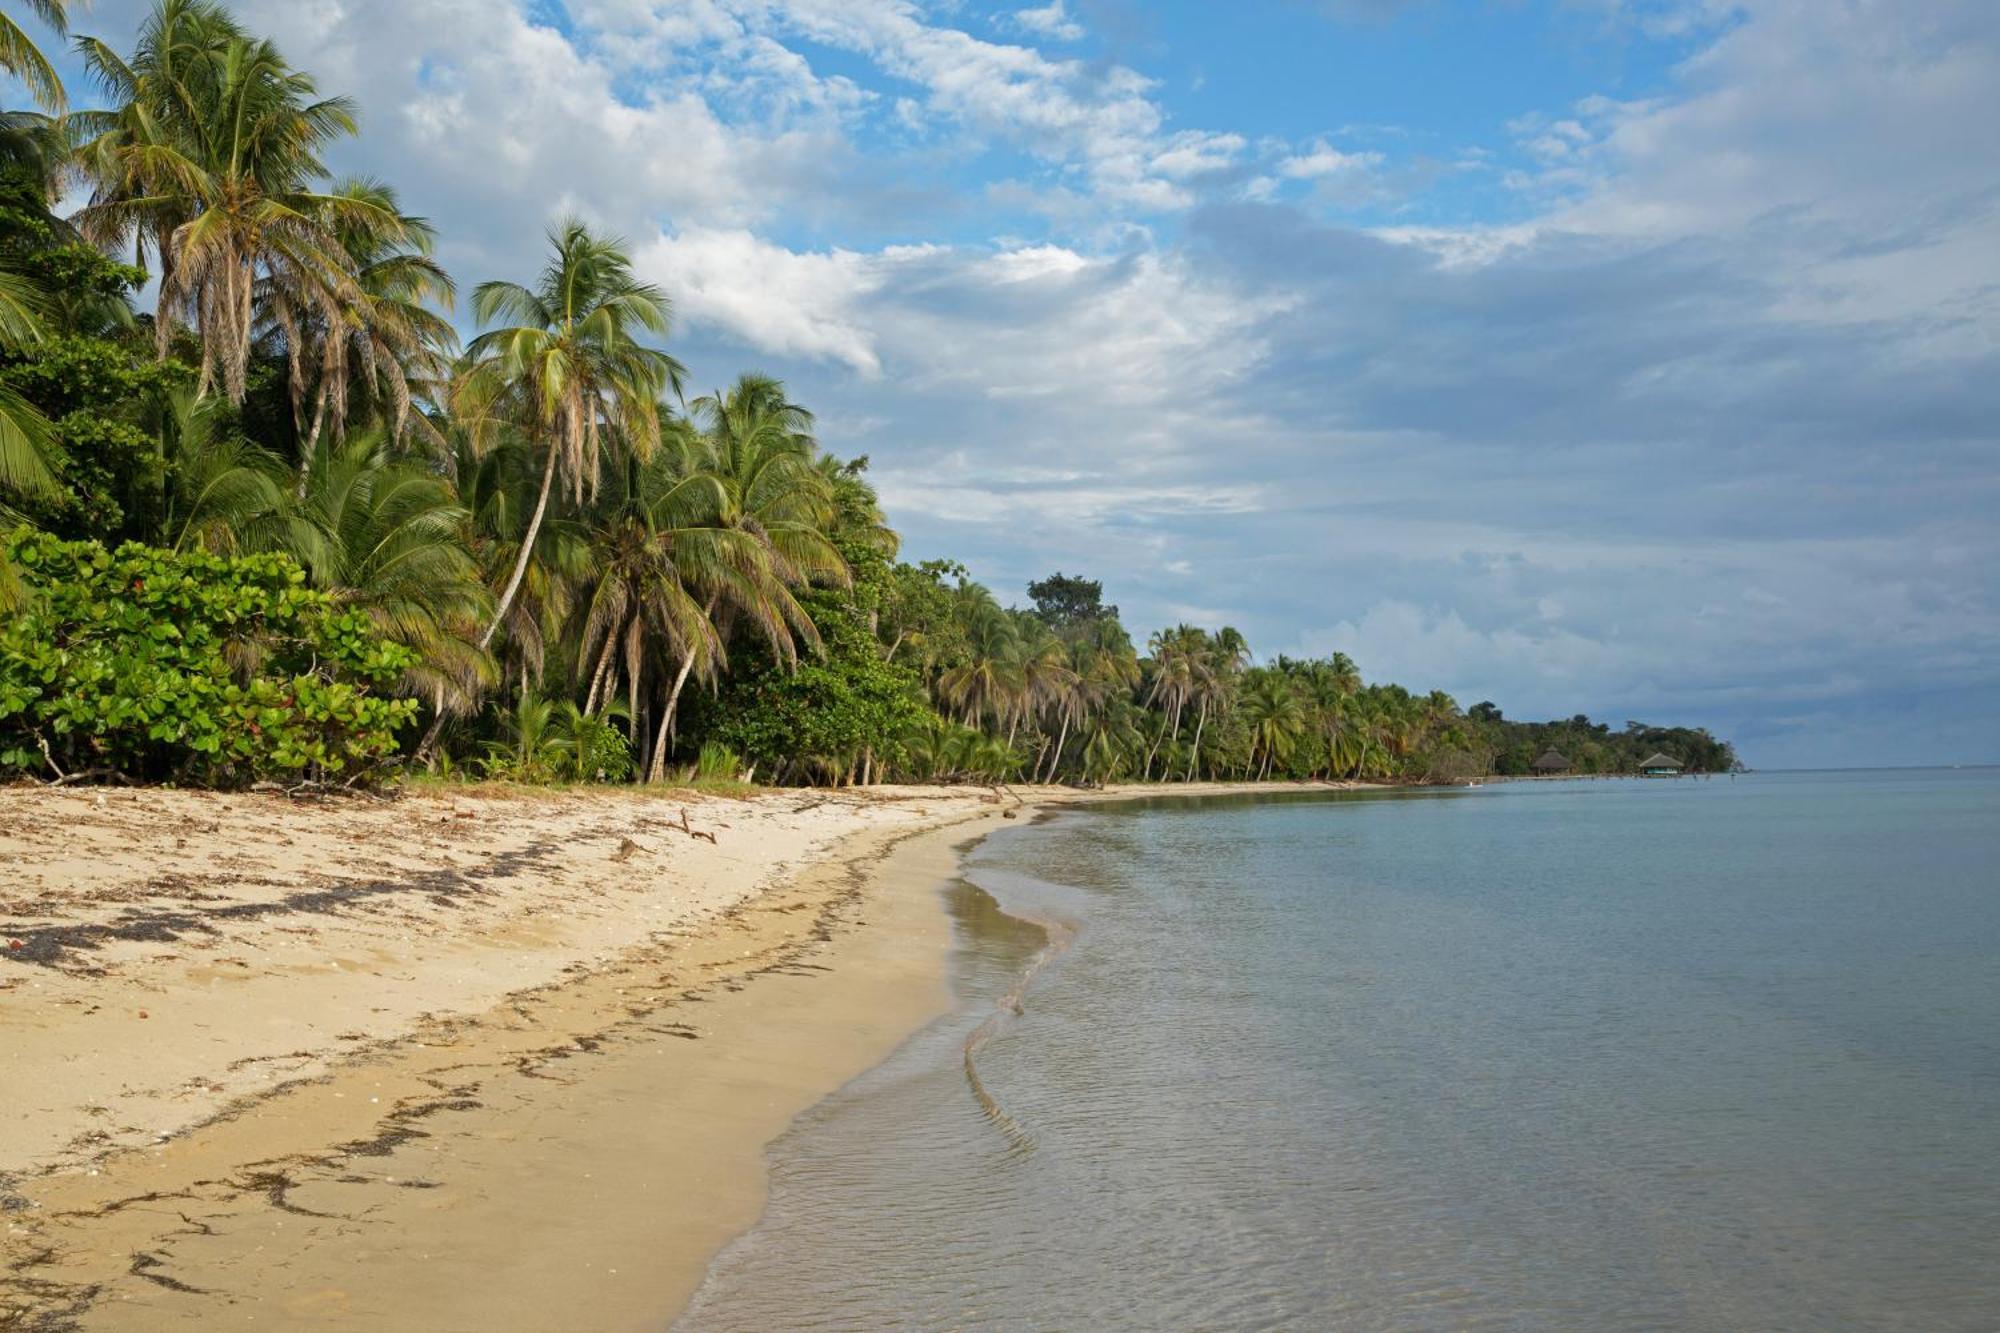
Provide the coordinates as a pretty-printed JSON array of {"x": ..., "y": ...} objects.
[
  {"x": 986, "y": 682},
  {"x": 131, "y": 151},
  {"x": 780, "y": 507},
  {"x": 393, "y": 544},
  {"x": 763, "y": 450},
  {"x": 1175, "y": 653},
  {"x": 1275, "y": 716},
  {"x": 23, "y": 59},
  {"x": 1218, "y": 666},
  {"x": 221, "y": 140},
  {"x": 499, "y": 483},
  {"x": 665, "y": 555},
  {"x": 378, "y": 342},
  {"x": 565, "y": 368}
]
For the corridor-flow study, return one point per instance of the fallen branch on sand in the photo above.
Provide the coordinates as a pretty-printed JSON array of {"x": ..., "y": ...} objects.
[{"x": 685, "y": 827}]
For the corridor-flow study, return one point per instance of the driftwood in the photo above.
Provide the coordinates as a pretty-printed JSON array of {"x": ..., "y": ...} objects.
[{"x": 684, "y": 827}]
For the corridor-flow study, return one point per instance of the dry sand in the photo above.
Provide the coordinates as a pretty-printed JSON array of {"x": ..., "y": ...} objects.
[{"x": 467, "y": 1060}]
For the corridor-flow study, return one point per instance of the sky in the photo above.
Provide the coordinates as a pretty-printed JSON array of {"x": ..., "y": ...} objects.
[{"x": 1631, "y": 357}]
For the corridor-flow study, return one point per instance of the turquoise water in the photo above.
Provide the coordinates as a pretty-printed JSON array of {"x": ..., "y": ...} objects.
[{"x": 1596, "y": 1055}]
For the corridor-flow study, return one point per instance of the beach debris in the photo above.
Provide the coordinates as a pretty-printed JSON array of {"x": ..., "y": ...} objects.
[
  {"x": 144, "y": 1014},
  {"x": 691, "y": 832}
]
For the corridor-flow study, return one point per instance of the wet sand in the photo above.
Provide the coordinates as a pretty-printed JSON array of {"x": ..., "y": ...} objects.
[{"x": 466, "y": 1062}]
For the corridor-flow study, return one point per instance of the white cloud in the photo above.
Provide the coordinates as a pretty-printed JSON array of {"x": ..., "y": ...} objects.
[
  {"x": 1052, "y": 21},
  {"x": 1719, "y": 390},
  {"x": 1196, "y": 152},
  {"x": 778, "y": 301},
  {"x": 1322, "y": 159},
  {"x": 1063, "y": 111}
]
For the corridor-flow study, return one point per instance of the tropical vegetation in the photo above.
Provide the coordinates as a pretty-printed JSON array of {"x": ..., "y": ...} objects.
[{"x": 274, "y": 523}]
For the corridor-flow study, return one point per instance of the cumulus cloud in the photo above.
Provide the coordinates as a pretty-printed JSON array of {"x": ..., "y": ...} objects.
[
  {"x": 1322, "y": 159},
  {"x": 1051, "y": 20},
  {"x": 1699, "y": 425},
  {"x": 792, "y": 304}
]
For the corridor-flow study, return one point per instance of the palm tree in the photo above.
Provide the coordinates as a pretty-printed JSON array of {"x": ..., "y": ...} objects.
[
  {"x": 988, "y": 680},
  {"x": 664, "y": 555},
  {"x": 1215, "y": 682},
  {"x": 378, "y": 342},
  {"x": 567, "y": 371},
  {"x": 1174, "y": 654},
  {"x": 25, "y": 434},
  {"x": 779, "y": 506},
  {"x": 20, "y": 56},
  {"x": 393, "y": 543},
  {"x": 762, "y": 447},
  {"x": 221, "y": 492},
  {"x": 131, "y": 152},
  {"x": 1271, "y": 707},
  {"x": 219, "y": 139}
]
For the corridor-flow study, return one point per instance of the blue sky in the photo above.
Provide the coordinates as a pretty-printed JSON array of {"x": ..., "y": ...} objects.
[{"x": 1634, "y": 357}]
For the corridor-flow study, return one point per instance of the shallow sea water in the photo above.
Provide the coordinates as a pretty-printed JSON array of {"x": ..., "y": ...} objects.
[{"x": 1715, "y": 1054}]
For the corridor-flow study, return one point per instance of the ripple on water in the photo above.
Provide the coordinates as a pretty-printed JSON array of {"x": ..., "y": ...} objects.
[{"x": 1607, "y": 1056}]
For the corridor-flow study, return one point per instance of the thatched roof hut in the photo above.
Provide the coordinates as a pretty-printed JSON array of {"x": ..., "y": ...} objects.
[
  {"x": 1552, "y": 762},
  {"x": 1660, "y": 765}
]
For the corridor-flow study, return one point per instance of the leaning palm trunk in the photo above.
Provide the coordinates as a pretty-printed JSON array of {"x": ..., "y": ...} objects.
[
  {"x": 513, "y": 587},
  {"x": 599, "y": 677},
  {"x": 1171, "y": 727},
  {"x": 506, "y": 603},
  {"x": 1194, "y": 755},
  {"x": 657, "y": 769},
  {"x": 1055, "y": 757}
]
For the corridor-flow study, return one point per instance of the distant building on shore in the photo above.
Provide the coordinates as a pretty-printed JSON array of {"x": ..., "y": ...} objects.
[
  {"x": 1661, "y": 766},
  {"x": 1552, "y": 762}
]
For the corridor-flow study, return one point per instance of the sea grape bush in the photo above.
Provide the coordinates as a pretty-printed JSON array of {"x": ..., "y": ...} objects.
[{"x": 158, "y": 665}]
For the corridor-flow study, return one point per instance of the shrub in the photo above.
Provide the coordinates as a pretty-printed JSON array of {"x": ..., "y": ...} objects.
[
  {"x": 157, "y": 665},
  {"x": 717, "y": 763}
]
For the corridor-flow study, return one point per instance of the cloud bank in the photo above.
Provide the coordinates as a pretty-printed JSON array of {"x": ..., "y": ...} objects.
[{"x": 1688, "y": 413}]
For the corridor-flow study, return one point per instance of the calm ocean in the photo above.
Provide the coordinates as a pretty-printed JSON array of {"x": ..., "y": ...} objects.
[{"x": 1715, "y": 1054}]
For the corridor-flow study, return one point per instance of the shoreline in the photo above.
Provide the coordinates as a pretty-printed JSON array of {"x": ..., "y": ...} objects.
[{"x": 573, "y": 989}]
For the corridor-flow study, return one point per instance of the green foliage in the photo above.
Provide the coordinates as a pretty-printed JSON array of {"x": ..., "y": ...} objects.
[
  {"x": 555, "y": 741},
  {"x": 648, "y": 583},
  {"x": 188, "y": 668},
  {"x": 717, "y": 763},
  {"x": 831, "y": 715},
  {"x": 89, "y": 376},
  {"x": 1065, "y": 601},
  {"x": 592, "y": 748},
  {"x": 1593, "y": 747}
]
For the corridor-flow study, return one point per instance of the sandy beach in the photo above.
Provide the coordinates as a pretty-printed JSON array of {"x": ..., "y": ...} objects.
[{"x": 468, "y": 1059}]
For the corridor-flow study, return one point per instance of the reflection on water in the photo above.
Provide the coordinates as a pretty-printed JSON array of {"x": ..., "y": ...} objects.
[{"x": 1692, "y": 1055}]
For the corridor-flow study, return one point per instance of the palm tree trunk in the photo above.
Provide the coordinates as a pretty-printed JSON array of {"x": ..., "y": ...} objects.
[
  {"x": 597, "y": 677},
  {"x": 1194, "y": 755},
  {"x": 163, "y": 319},
  {"x": 429, "y": 742},
  {"x": 1055, "y": 757},
  {"x": 527, "y": 552},
  {"x": 657, "y": 769}
]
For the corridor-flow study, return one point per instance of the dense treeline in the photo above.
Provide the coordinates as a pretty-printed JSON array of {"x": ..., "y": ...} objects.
[
  {"x": 1583, "y": 746},
  {"x": 275, "y": 522}
]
